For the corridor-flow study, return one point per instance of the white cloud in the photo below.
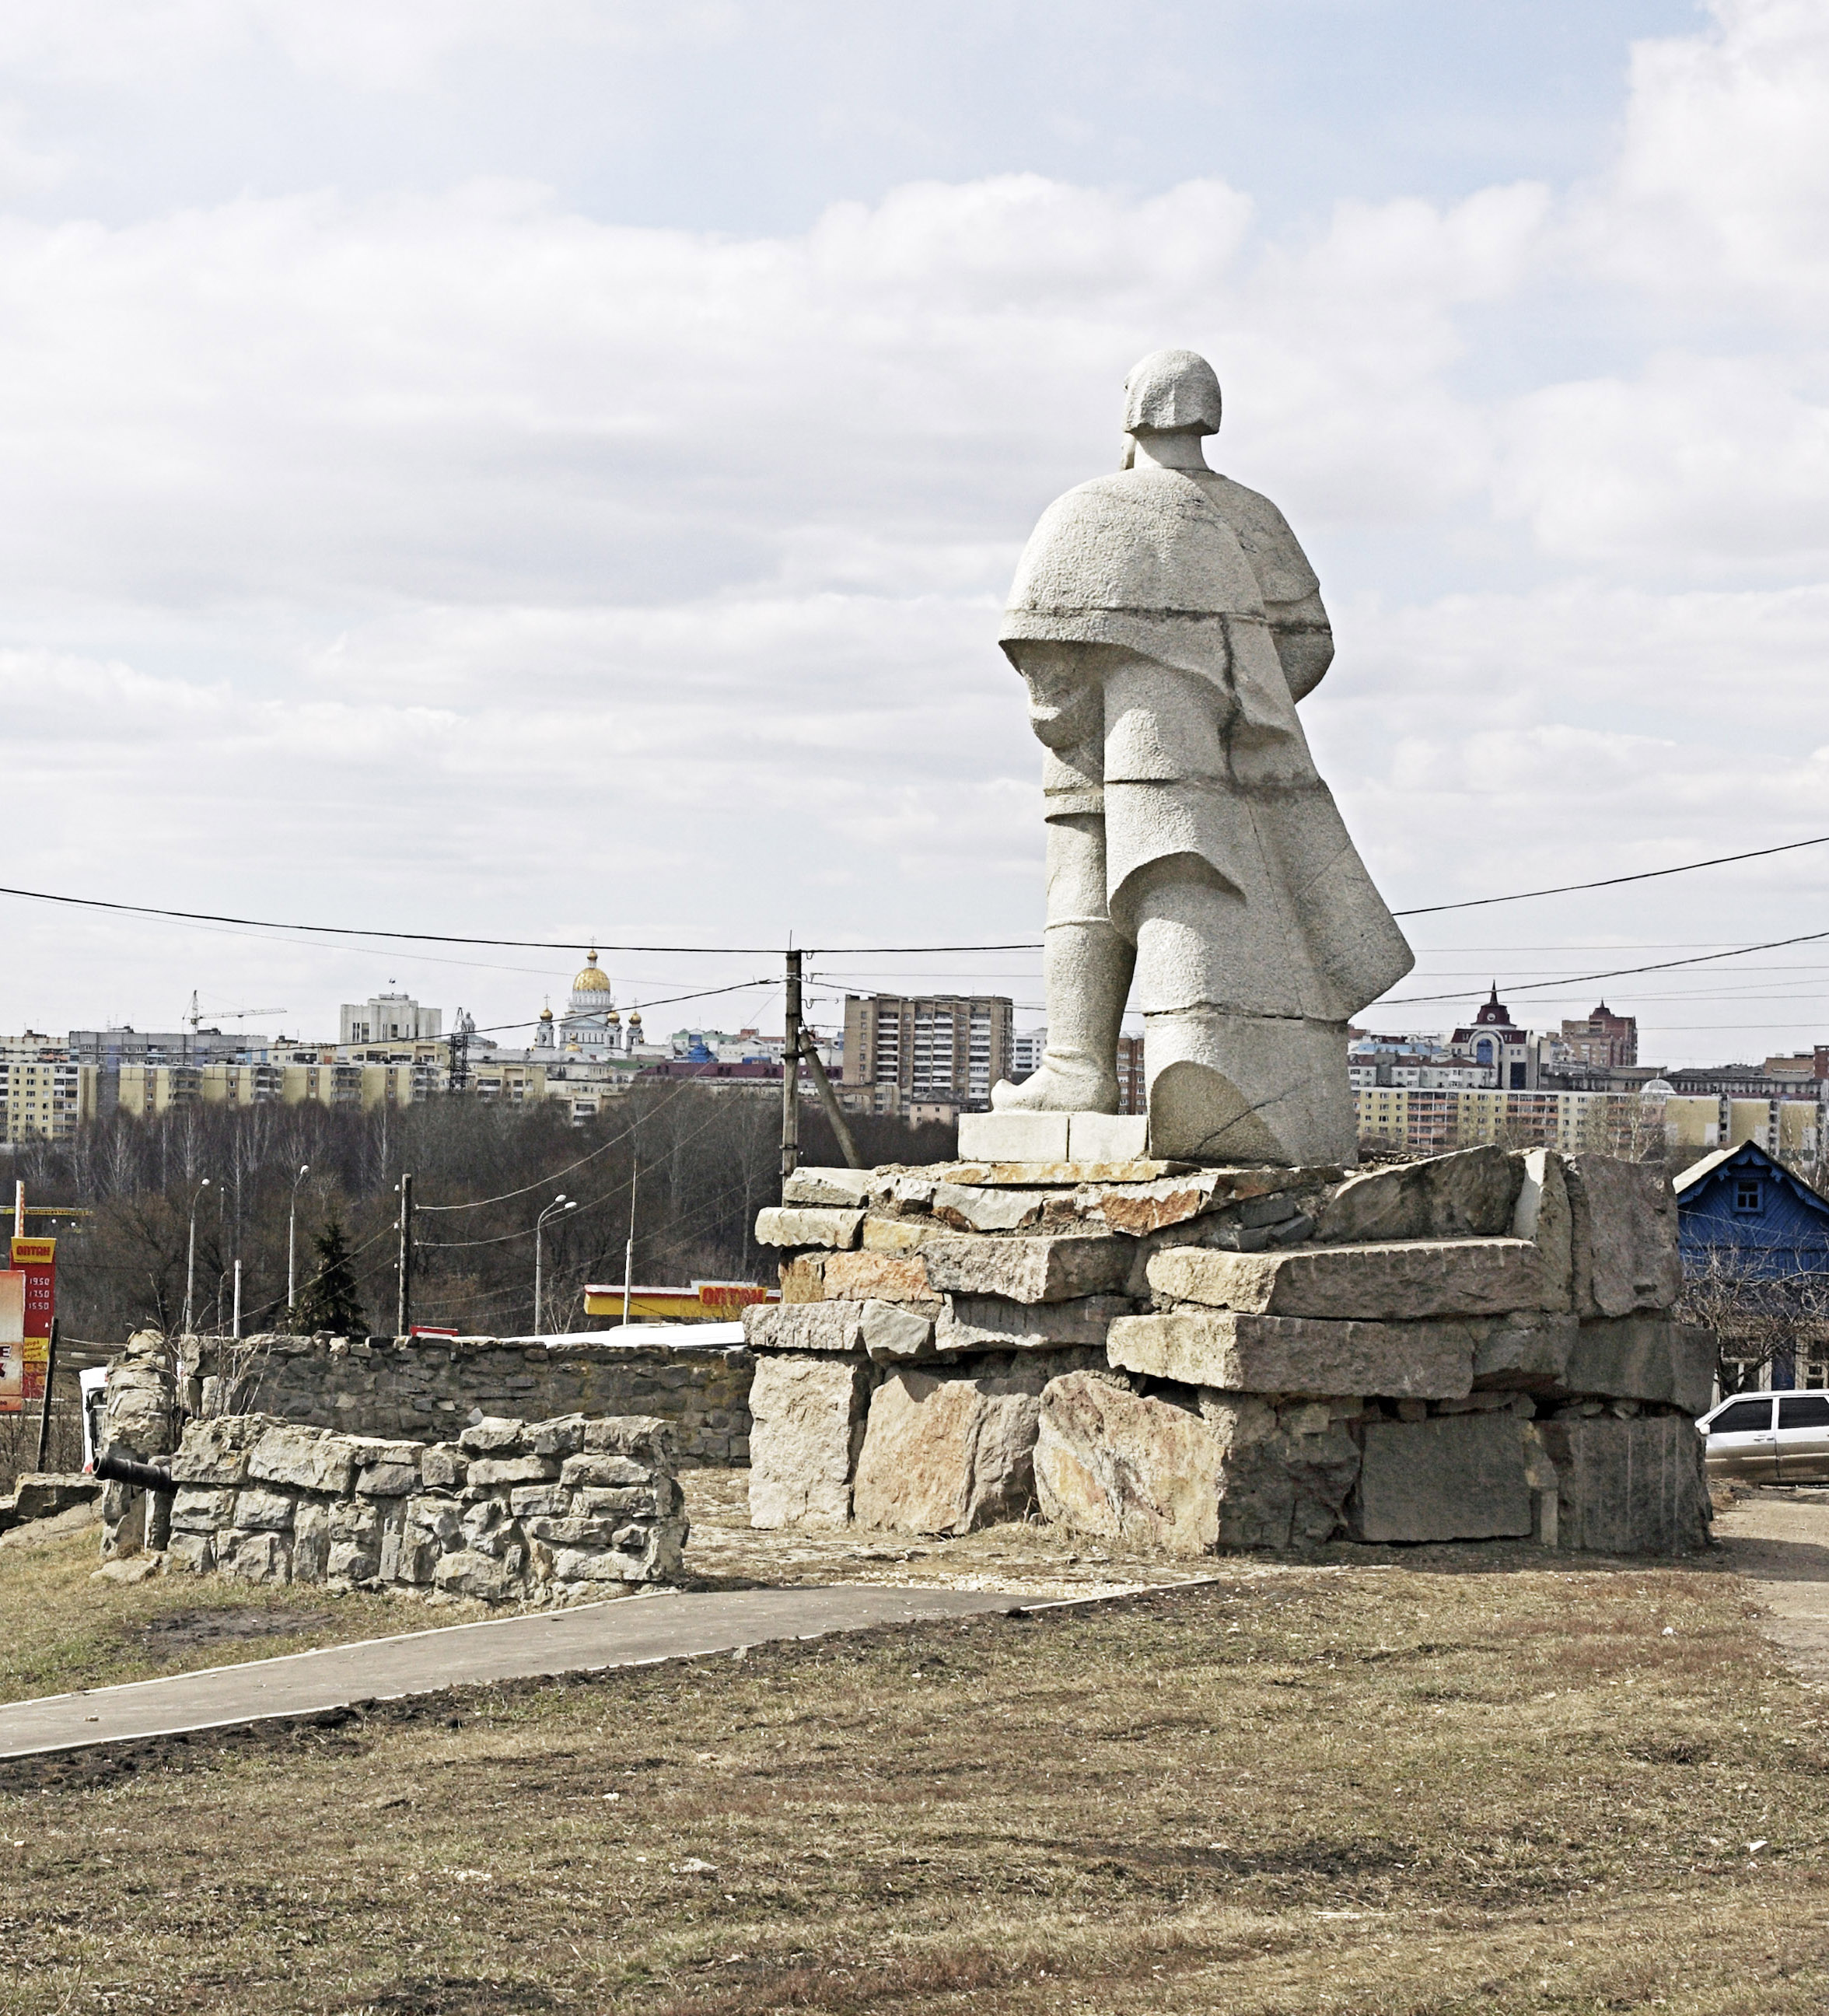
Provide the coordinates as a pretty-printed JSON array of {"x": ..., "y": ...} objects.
[
  {"x": 1723, "y": 179},
  {"x": 463, "y": 560}
]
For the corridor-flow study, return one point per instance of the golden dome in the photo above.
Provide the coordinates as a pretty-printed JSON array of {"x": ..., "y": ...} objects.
[
  {"x": 545, "y": 1014},
  {"x": 635, "y": 1015},
  {"x": 589, "y": 980}
]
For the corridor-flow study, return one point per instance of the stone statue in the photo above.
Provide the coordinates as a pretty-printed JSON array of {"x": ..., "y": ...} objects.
[{"x": 1166, "y": 622}]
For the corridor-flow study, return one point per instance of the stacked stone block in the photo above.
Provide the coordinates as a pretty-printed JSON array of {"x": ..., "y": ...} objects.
[
  {"x": 424, "y": 1388},
  {"x": 514, "y": 1512},
  {"x": 1478, "y": 1345}
]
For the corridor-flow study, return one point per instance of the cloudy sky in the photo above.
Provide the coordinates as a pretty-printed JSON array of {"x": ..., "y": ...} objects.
[{"x": 552, "y": 472}]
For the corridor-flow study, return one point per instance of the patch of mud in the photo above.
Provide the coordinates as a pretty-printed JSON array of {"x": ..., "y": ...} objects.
[{"x": 225, "y": 1627}]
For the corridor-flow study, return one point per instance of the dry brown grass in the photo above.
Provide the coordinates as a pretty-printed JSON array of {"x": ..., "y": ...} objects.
[
  {"x": 1410, "y": 1790},
  {"x": 60, "y": 1629}
]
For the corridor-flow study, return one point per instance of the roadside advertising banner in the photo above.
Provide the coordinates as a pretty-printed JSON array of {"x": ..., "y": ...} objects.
[
  {"x": 37, "y": 1260},
  {"x": 12, "y": 1341}
]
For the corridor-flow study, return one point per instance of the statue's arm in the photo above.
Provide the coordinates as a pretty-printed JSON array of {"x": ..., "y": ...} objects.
[
  {"x": 1292, "y": 594},
  {"x": 1304, "y": 639},
  {"x": 1067, "y": 707}
]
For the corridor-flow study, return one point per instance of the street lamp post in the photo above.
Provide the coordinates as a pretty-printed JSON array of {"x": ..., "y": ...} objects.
[
  {"x": 560, "y": 1203},
  {"x": 190, "y": 1264},
  {"x": 292, "y": 1239}
]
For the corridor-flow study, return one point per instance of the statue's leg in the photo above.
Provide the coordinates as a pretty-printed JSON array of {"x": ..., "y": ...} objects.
[
  {"x": 1085, "y": 973},
  {"x": 1227, "y": 1083}
]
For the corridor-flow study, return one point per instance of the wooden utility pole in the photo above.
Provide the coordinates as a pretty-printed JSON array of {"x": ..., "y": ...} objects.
[
  {"x": 405, "y": 1313},
  {"x": 791, "y": 1073}
]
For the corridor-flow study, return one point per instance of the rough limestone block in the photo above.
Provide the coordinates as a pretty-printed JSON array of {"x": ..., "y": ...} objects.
[
  {"x": 1470, "y": 1277},
  {"x": 564, "y": 1435},
  {"x": 1116, "y": 1465},
  {"x": 989, "y": 1322},
  {"x": 216, "y": 1452},
  {"x": 1471, "y": 1194},
  {"x": 480, "y": 1575},
  {"x": 351, "y": 1562},
  {"x": 847, "y": 1188},
  {"x": 194, "y": 1553},
  {"x": 440, "y": 1519},
  {"x": 1107, "y": 1137},
  {"x": 1286, "y": 1470},
  {"x": 393, "y": 1479},
  {"x": 255, "y": 1557},
  {"x": 1013, "y": 1137},
  {"x": 1253, "y": 1354},
  {"x": 306, "y": 1459},
  {"x": 645, "y": 1438},
  {"x": 310, "y": 1542},
  {"x": 572, "y": 1531},
  {"x": 946, "y": 1456},
  {"x": 1543, "y": 1215},
  {"x": 1456, "y": 1477},
  {"x": 654, "y": 1502},
  {"x": 1643, "y": 1358},
  {"x": 803, "y": 1326},
  {"x": 1625, "y": 1237},
  {"x": 969, "y": 1209},
  {"x": 1138, "y": 1209},
  {"x": 196, "y": 1509},
  {"x": 444, "y": 1467},
  {"x": 864, "y": 1277},
  {"x": 1629, "y": 1487},
  {"x": 808, "y": 1226},
  {"x": 897, "y": 1235},
  {"x": 1049, "y": 1268},
  {"x": 1527, "y": 1352},
  {"x": 495, "y": 1436},
  {"x": 486, "y": 1472},
  {"x": 603, "y": 1472},
  {"x": 807, "y": 1418},
  {"x": 892, "y": 1332},
  {"x": 264, "y": 1511}
]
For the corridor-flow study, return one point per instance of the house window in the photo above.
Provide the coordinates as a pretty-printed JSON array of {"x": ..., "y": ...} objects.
[{"x": 1746, "y": 1193}]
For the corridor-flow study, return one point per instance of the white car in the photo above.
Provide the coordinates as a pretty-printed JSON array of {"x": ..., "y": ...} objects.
[{"x": 1770, "y": 1437}]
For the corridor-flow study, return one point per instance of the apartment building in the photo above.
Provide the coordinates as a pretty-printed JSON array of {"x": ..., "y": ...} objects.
[
  {"x": 45, "y": 1094},
  {"x": 931, "y": 1050}
]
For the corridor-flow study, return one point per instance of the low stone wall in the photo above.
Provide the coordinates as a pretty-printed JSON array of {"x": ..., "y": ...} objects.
[
  {"x": 140, "y": 1418},
  {"x": 1475, "y": 1346},
  {"x": 427, "y": 1387},
  {"x": 541, "y": 1513},
  {"x": 41, "y": 1494}
]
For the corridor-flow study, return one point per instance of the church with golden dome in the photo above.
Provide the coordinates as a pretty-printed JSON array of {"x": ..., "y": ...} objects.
[{"x": 592, "y": 1025}]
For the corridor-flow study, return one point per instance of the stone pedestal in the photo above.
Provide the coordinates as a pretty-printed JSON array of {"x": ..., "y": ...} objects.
[{"x": 1476, "y": 1346}]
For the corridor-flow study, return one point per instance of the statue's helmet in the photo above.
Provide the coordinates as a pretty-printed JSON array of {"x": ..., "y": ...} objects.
[{"x": 1172, "y": 388}]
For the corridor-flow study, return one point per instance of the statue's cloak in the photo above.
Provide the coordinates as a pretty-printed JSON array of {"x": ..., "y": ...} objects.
[{"x": 1206, "y": 769}]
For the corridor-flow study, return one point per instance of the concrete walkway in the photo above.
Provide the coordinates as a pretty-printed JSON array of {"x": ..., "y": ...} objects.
[
  {"x": 1778, "y": 1540},
  {"x": 635, "y": 1631}
]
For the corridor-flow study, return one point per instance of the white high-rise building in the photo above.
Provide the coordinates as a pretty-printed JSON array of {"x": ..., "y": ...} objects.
[{"x": 388, "y": 1018}]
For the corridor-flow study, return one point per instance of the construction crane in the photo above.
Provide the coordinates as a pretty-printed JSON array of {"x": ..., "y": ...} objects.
[{"x": 225, "y": 1014}]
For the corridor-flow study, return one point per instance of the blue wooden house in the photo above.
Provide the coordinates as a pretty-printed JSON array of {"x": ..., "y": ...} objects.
[{"x": 1756, "y": 1238}]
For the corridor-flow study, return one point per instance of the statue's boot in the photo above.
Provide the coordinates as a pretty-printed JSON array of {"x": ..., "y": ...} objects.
[
  {"x": 1254, "y": 1083},
  {"x": 1085, "y": 975},
  {"x": 1087, "y": 966}
]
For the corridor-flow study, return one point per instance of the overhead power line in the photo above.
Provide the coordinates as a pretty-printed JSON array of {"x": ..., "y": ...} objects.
[
  {"x": 1022, "y": 945},
  {"x": 449, "y": 938},
  {"x": 1613, "y": 881},
  {"x": 1612, "y": 972}
]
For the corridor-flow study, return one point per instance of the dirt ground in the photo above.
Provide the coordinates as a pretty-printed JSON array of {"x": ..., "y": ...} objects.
[{"x": 1420, "y": 1783}]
